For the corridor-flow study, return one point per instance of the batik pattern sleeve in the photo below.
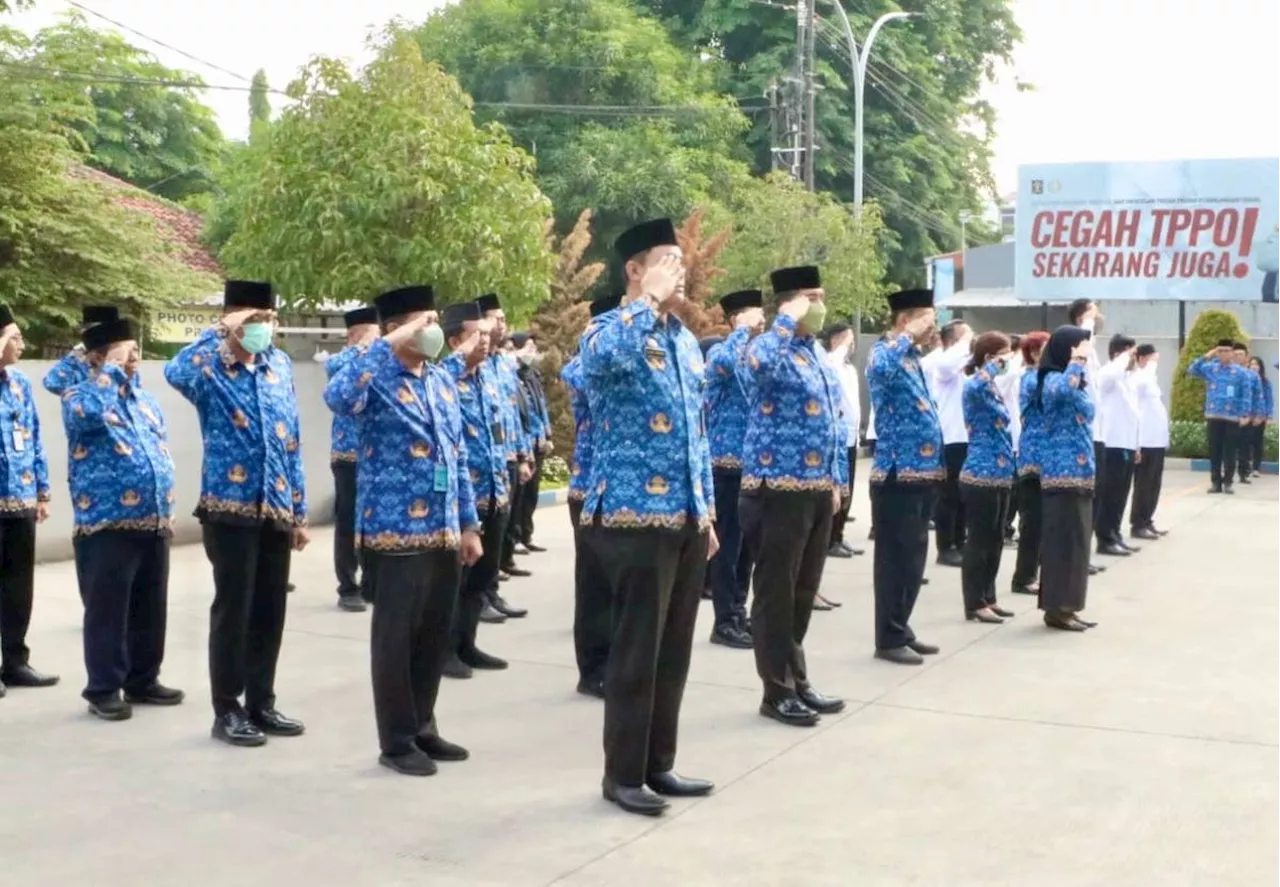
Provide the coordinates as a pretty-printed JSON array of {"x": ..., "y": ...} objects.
[{"x": 72, "y": 369}]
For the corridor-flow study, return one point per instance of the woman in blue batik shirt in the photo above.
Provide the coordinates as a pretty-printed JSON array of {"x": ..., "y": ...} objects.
[
  {"x": 986, "y": 478},
  {"x": 1030, "y": 440},
  {"x": 1066, "y": 477}
]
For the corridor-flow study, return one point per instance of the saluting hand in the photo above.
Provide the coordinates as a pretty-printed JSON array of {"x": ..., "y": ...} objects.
[
  {"x": 470, "y": 549},
  {"x": 233, "y": 320},
  {"x": 752, "y": 318},
  {"x": 662, "y": 279}
]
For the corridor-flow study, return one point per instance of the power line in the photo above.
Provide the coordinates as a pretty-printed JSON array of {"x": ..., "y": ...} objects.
[{"x": 43, "y": 73}]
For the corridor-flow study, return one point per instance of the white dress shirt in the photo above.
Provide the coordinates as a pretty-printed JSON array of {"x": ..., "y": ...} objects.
[
  {"x": 1153, "y": 427},
  {"x": 850, "y": 398},
  {"x": 871, "y": 422},
  {"x": 1091, "y": 370},
  {"x": 1010, "y": 388},
  {"x": 944, "y": 374},
  {"x": 1120, "y": 420}
]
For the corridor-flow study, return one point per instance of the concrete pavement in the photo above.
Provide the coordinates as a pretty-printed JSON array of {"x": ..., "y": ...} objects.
[{"x": 1143, "y": 752}]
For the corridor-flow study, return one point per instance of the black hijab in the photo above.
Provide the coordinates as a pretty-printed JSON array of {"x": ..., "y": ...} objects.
[{"x": 1056, "y": 356}]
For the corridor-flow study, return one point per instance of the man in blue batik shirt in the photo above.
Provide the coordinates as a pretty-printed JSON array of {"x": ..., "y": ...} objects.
[
  {"x": 467, "y": 336},
  {"x": 344, "y": 452},
  {"x": 253, "y": 503},
  {"x": 24, "y": 502},
  {"x": 1224, "y": 408},
  {"x": 905, "y": 473},
  {"x": 417, "y": 520},
  {"x": 121, "y": 480},
  {"x": 648, "y": 515},
  {"x": 794, "y": 469},
  {"x": 73, "y": 368},
  {"x": 726, "y": 411},
  {"x": 528, "y": 357}
]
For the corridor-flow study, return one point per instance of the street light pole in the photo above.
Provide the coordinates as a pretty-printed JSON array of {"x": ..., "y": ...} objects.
[{"x": 859, "y": 60}]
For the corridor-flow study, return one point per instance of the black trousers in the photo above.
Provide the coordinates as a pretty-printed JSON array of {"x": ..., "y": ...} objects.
[
  {"x": 1099, "y": 479},
  {"x": 1148, "y": 477},
  {"x": 846, "y": 502},
  {"x": 246, "y": 620},
  {"x": 789, "y": 533},
  {"x": 409, "y": 640},
  {"x": 475, "y": 580},
  {"x": 346, "y": 560},
  {"x": 1064, "y": 550},
  {"x": 871, "y": 488},
  {"x": 1249, "y": 453},
  {"x": 511, "y": 537},
  {"x": 126, "y": 590},
  {"x": 1011, "y": 513},
  {"x": 1223, "y": 438},
  {"x": 1031, "y": 515},
  {"x": 984, "y": 511},
  {"x": 656, "y": 581},
  {"x": 593, "y": 615},
  {"x": 948, "y": 517},
  {"x": 730, "y": 569},
  {"x": 1117, "y": 480},
  {"x": 902, "y": 545},
  {"x": 529, "y": 502},
  {"x": 17, "y": 580}
]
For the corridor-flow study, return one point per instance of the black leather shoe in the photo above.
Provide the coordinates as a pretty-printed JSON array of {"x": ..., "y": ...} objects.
[
  {"x": 729, "y": 634},
  {"x": 1085, "y": 622},
  {"x": 112, "y": 708},
  {"x": 828, "y": 601},
  {"x": 823, "y": 705},
  {"x": 1019, "y": 588},
  {"x": 513, "y": 570},
  {"x": 455, "y": 668},
  {"x": 1062, "y": 623},
  {"x": 923, "y": 649},
  {"x": 673, "y": 785},
  {"x": 1111, "y": 549},
  {"x": 1216, "y": 488},
  {"x": 856, "y": 552},
  {"x": 519, "y": 549},
  {"x": 820, "y": 605},
  {"x": 838, "y": 550},
  {"x": 986, "y": 614},
  {"x": 1001, "y": 612},
  {"x": 790, "y": 711},
  {"x": 591, "y": 688},
  {"x": 351, "y": 603},
  {"x": 924, "y": 580},
  {"x": 950, "y": 558},
  {"x": 633, "y": 798},
  {"x": 536, "y": 549},
  {"x": 1159, "y": 532},
  {"x": 1229, "y": 489},
  {"x": 413, "y": 763},
  {"x": 271, "y": 722},
  {"x": 26, "y": 676},
  {"x": 438, "y": 749},
  {"x": 900, "y": 656},
  {"x": 500, "y": 604},
  {"x": 156, "y": 694},
  {"x": 481, "y": 660},
  {"x": 1132, "y": 549},
  {"x": 290, "y": 587},
  {"x": 1144, "y": 533},
  {"x": 490, "y": 615},
  {"x": 235, "y": 728},
  {"x": 1245, "y": 480}
]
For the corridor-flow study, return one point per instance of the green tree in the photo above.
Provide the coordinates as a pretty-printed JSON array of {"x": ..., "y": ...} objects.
[
  {"x": 928, "y": 131},
  {"x": 775, "y": 223},
  {"x": 259, "y": 101},
  {"x": 1187, "y": 403},
  {"x": 143, "y": 130},
  {"x": 383, "y": 179},
  {"x": 66, "y": 240}
]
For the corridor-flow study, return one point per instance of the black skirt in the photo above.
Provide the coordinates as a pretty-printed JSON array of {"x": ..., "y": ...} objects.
[{"x": 1066, "y": 530}]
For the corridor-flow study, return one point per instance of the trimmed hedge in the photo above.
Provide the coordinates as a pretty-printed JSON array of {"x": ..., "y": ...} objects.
[{"x": 1187, "y": 440}]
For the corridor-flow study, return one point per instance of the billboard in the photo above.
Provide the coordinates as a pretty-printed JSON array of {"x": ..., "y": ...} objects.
[
  {"x": 181, "y": 325},
  {"x": 944, "y": 280},
  {"x": 1186, "y": 230}
]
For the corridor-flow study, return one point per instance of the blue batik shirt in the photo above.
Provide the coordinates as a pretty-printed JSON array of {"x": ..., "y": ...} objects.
[
  {"x": 252, "y": 469},
  {"x": 580, "y": 470},
  {"x": 26, "y": 471},
  {"x": 725, "y": 402},
  {"x": 990, "y": 460},
  {"x": 908, "y": 433},
  {"x": 1066, "y": 457},
  {"x": 651, "y": 465},
  {"x": 795, "y": 438},
  {"x": 515, "y": 438},
  {"x": 1031, "y": 440},
  {"x": 344, "y": 435},
  {"x": 481, "y": 407},
  {"x": 120, "y": 469},
  {"x": 1251, "y": 407},
  {"x": 1267, "y": 398},
  {"x": 72, "y": 369},
  {"x": 539, "y": 428},
  {"x": 413, "y": 485},
  {"x": 1224, "y": 387}
]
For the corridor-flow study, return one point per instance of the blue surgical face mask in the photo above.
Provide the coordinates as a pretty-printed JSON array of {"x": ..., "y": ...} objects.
[
  {"x": 256, "y": 337},
  {"x": 1001, "y": 365}
]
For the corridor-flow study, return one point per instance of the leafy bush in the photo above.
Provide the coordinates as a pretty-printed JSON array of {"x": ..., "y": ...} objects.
[
  {"x": 555, "y": 473},
  {"x": 1187, "y": 440},
  {"x": 1188, "y": 391}
]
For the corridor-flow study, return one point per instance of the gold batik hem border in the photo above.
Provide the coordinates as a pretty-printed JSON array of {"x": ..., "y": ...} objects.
[
  {"x": 626, "y": 519},
  {"x": 14, "y": 505},
  {"x": 972, "y": 480},
  {"x": 788, "y": 484},
  {"x": 1028, "y": 471},
  {"x": 880, "y": 476},
  {"x": 249, "y": 511},
  {"x": 577, "y": 496},
  {"x": 1080, "y": 484},
  {"x": 1215, "y": 417},
  {"x": 343, "y": 457},
  {"x": 731, "y": 462},
  {"x": 159, "y": 525},
  {"x": 387, "y": 542}
]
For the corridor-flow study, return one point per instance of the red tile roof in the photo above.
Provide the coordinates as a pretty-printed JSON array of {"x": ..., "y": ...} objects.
[{"x": 179, "y": 226}]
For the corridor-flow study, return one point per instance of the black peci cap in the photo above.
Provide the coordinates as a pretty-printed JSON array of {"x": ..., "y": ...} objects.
[
  {"x": 6, "y": 316},
  {"x": 645, "y": 236},
  {"x": 457, "y": 314},
  {"x": 360, "y": 316},
  {"x": 98, "y": 314},
  {"x": 489, "y": 302},
  {"x": 906, "y": 300},
  {"x": 801, "y": 277},
  {"x": 405, "y": 300},
  {"x": 740, "y": 300},
  {"x": 108, "y": 333},
  {"x": 248, "y": 294}
]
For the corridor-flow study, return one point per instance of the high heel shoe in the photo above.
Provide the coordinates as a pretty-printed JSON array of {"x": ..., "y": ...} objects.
[
  {"x": 1062, "y": 622},
  {"x": 1001, "y": 612},
  {"x": 983, "y": 615}
]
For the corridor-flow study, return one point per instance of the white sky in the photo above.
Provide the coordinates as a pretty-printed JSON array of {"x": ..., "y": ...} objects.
[{"x": 1116, "y": 79}]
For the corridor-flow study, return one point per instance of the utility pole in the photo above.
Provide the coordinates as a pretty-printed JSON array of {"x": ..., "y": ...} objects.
[
  {"x": 775, "y": 123},
  {"x": 809, "y": 31}
]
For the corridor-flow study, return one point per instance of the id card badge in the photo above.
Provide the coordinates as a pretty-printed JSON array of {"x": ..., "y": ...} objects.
[
  {"x": 440, "y": 482},
  {"x": 1231, "y": 391},
  {"x": 19, "y": 442}
]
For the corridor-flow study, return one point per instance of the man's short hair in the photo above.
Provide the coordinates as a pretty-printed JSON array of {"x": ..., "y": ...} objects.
[{"x": 1077, "y": 310}]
